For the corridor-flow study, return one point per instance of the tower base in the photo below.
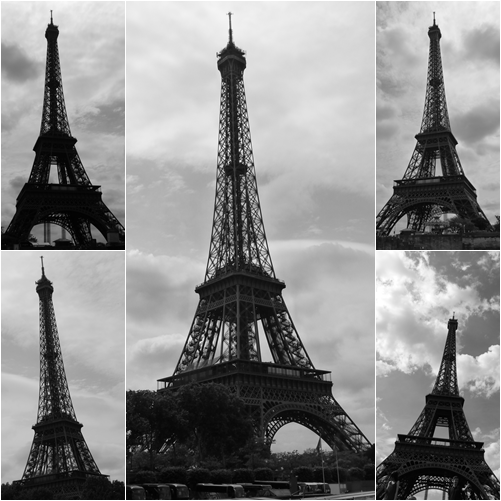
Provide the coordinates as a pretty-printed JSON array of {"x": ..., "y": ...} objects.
[
  {"x": 422, "y": 199},
  {"x": 432, "y": 463},
  {"x": 72, "y": 207},
  {"x": 276, "y": 395}
]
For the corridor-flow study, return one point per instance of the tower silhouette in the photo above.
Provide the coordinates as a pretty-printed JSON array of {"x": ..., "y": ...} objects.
[
  {"x": 424, "y": 461},
  {"x": 59, "y": 459},
  {"x": 241, "y": 296},
  {"x": 422, "y": 194},
  {"x": 73, "y": 203}
]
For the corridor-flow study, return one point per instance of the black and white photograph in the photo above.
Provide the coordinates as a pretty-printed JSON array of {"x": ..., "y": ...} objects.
[
  {"x": 303, "y": 122},
  {"x": 437, "y": 125},
  {"x": 63, "y": 152},
  {"x": 437, "y": 366},
  {"x": 63, "y": 323}
]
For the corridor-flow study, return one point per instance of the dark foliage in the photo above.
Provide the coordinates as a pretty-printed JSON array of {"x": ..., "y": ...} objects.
[
  {"x": 142, "y": 477},
  {"x": 243, "y": 475},
  {"x": 322, "y": 475},
  {"x": 198, "y": 476},
  {"x": 221, "y": 476},
  {"x": 172, "y": 475},
  {"x": 304, "y": 474},
  {"x": 355, "y": 473},
  {"x": 369, "y": 472},
  {"x": 263, "y": 474}
]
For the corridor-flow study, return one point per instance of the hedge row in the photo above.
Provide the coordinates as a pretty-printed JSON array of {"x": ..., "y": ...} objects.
[{"x": 193, "y": 476}]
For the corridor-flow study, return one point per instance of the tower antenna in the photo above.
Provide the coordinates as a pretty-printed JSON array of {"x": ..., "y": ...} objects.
[
  {"x": 43, "y": 271},
  {"x": 51, "y": 18},
  {"x": 434, "y": 19},
  {"x": 231, "y": 31}
]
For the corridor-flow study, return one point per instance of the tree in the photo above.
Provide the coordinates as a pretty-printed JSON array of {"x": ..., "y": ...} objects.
[
  {"x": 263, "y": 474},
  {"x": 461, "y": 225},
  {"x": 216, "y": 420},
  {"x": 153, "y": 420},
  {"x": 304, "y": 474},
  {"x": 102, "y": 488}
]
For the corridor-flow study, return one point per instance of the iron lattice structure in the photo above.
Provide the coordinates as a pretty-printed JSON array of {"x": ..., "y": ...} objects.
[
  {"x": 423, "y": 461},
  {"x": 59, "y": 457},
  {"x": 241, "y": 296},
  {"x": 73, "y": 203},
  {"x": 422, "y": 194}
]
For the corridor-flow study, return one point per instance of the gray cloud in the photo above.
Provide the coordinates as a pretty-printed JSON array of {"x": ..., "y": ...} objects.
[
  {"x": 481, "y": 43},
  {"x": 17, "y": 65},
  {"x": 106, "y": 118},
  {"x": 477, "y": 123}
]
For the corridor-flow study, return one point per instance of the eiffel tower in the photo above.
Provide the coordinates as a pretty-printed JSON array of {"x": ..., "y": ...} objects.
[
  {"x": 241, "y": 295},
  {"x": 73, "y": 203},
  {"x": 59, "y": 459},
  {"x": 421, "y": 194},
  {"x": 423, "y": 461}
]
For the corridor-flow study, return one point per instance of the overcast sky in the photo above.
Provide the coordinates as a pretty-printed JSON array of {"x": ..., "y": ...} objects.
[
  {"x": 470, "y": 59},
  {"x": 416, "y": 294},
  {"x": 91, "y": 46},
  {"x": 88, "y": 300},
  {"x": 310, "y": 94}
]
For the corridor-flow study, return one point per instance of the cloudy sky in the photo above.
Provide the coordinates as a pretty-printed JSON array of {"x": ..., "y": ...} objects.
[
  {"x": 92, "y": 54},
  {"x": 416, "y": 294},
  {"x": 310, "y": 96},
  {"x": 89, "y": 304},
  {"x": 470, "y": 59}
]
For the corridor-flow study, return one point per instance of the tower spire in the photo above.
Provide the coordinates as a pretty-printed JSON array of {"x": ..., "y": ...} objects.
[
  {"x": 43, "y": 272},
  {"x": 230, "y": 31},
  {"x": 51, "y": 17}
]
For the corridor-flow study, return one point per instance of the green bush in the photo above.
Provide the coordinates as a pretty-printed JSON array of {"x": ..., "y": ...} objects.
[
  {"x": 198, "y": 476},
  {"x": 304, "y": 474},
  {"x": 243, "y": 476},
  {"x": 142, "y": 477},
  {"x": 263, "y": 474},
  {"x": 319, "y": 474},
  {"x": 221, "y": 476},
  {"x": 355, "y": 473},
  {"x": 369, "y": 472},
  {"x": 343, "y": 474},
  {"x": 172, "y": 475}
]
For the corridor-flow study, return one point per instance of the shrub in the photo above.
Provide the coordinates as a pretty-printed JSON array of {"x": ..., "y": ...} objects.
[
  {"x": 319, "y": 474},
  {"x": 172, "y": 475},
  {"x": 198, "y": 476},
  {"x": 263, "y": 474},
  {"x": 142, "y": 477},
  {"x": 342, "y": 475},
  {"x": 221, "y": 476},
  {"x": 356, "y": 473},
  {"x": 243, "y": 475},
  {"x": 304, "y": 474}
]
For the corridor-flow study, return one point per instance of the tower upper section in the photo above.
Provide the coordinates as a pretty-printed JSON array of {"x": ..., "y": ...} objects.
[
  {"x": 446, "y": 382},
  {"x": 54, "y": 401},
  {"x": 238, "y": 242},
  {"x": 231, "y": 59},
  {"x": 435, "y": 116},
  {"x": 54, "y": 117}
]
